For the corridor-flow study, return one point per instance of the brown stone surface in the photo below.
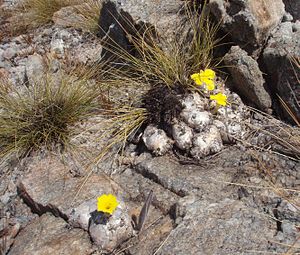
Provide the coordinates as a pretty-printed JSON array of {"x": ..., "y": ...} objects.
[
  {"x": 49, "y": 235},
  {"x": 48, "y": 185}
]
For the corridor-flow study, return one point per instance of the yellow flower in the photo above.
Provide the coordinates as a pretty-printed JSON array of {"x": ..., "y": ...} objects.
[
  {"x": 107, "y": 203},
  {"x": 220, "y": 98},
  {"x": 205, "y": 77}
]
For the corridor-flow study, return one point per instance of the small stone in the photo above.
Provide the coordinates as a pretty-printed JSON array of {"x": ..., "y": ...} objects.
[
  {"x": 156, "y": 140},
  {"x": 35, "y": 68},
  {"x": 194, "y": 100},
  {"x": 195, "y": 118},
  {"x": 10, "y": 53},
  {"x": 57, "y": 48},
  {"x": 206, "y": 143},
  {"x": 183, "y": 135}
]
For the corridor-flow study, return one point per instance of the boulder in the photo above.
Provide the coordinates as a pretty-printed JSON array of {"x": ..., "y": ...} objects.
[
  {"x": 279, "y": 57},
  {"x": 247, "y": 78},
  {"x": 249, "y": 23}
]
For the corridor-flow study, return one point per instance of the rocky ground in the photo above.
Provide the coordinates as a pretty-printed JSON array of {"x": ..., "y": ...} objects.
[{"x": 223, "y": 183}]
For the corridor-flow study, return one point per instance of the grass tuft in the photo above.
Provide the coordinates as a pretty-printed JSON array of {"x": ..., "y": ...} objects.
[
  {"x": 42, "y": 115},
  {"x": 154, "y": 64}
]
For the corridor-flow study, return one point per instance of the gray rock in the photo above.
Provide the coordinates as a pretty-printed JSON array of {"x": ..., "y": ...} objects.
[
  {"x": 293, "y": 7},
  {"x": 117, "y": 16},
  {"x": 206, "y": 143},
  {"x": 283, "y": 74},
  {"x": 1, "y": 55},
  {"x": 49, "y": 235},
  {"x": 10, "y": 53},
  {"x": 227, "y": 227},
  {"x": 185, "y": 180},
  {"x": 138, "y": 189},
  {"x": 48, "y": 186},
  {"x": 182, "y": 135},
  {"x": 247, "y": 78},
  {"x": 18, "y": 75},
  {"x": 9, "y": 230},
  {"x": 35, "y": 69},
  {"x": 248, "y": 22},
  {"x": 156, "y": 140},
  {"x": 196, "y": 119}
]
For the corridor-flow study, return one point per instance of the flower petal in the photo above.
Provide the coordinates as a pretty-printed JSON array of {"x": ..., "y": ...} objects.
[
  {"x": 107, "y": 203},
  {"x": 220, "y": 98}
]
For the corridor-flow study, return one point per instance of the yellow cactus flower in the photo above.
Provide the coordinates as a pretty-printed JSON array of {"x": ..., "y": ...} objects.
[
  {"x": 220, "y": 98},
  {"x": 107, "y": 203},
  {"x": 205, "y": 77}
]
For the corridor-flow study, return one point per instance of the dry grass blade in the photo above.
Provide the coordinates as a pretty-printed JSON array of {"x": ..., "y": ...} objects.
[
  {"x": 285, "y": 135},
  {"x": 151, "y": 61},
  {"x": 144, "y": 212},
  {"x": 43, "y": 114}
]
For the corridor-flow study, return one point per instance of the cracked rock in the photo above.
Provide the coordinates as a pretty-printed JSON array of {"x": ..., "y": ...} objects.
[
  {"x": 48, "y": 186},
  {"x": 48, "y": 234},
  {"x": 35, "y": 68}
]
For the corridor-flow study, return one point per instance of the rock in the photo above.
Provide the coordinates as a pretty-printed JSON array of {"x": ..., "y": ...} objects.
[
  {"x": 35, "y": 69},
  {"x": 293, "y": 7},
  {"x": 185, "y": 180},
  {"x": 117, "y": 229},
  {"x": 248, "y": 22},
  {"x": 206, "y": 143},
  {"x": 75, "y": 16},
  {"x": 116, "y": 16},
  {"x": 182, "y": 135},
  {"x": 282, "y": 73},
  {"x": 66, "y": 17},
  {"x": 196, "y": 119},
  {"x": 48, "y": 186},
  {"x": 156, "y": 140},
  {"x": 10, "y": 53},
  {"x": 57, "y": 48},
  {"x": 1, "y": 55},
  {"x": 138, "y": 189},
  {"x": 18, "y": 75},
  {"x": 8, "y": 231},
  {"x": 226, "y": 227},
  {"x": 49, "y": 235},
  {"x": 247, "y": 78}
]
